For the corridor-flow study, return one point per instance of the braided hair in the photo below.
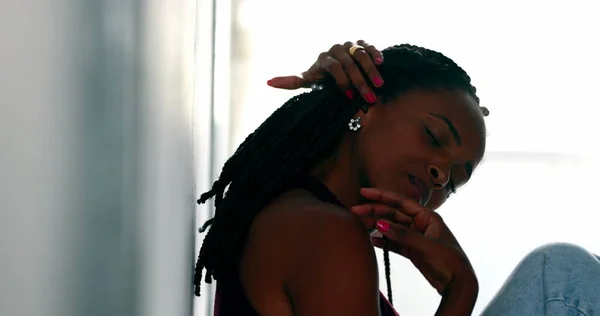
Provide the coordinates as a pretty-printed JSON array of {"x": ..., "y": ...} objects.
[{"x": 291, "y": 141}]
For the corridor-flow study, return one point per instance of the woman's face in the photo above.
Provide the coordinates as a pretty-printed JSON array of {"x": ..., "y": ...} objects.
[{"x": 423, "y": 144}]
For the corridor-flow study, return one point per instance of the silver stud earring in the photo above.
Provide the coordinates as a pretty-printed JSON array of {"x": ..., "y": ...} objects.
[{"x": 354, "y": 124}]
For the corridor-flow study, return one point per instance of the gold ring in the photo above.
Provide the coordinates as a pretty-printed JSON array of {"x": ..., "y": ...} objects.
[{"x": 353, "y": 49}]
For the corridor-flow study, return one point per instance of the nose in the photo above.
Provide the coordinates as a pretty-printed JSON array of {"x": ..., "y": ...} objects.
[{"x": 439, "y": 176}]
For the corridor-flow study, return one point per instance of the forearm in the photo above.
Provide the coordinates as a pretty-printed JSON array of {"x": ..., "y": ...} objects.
[{"x": 459, "y": 300}]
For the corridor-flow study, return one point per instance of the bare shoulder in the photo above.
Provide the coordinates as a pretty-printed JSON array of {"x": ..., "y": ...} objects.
[
  {"x": 307, "y": 213},
  {"x": 313, "y": 252},
  {"x": 298, "y": 221}
]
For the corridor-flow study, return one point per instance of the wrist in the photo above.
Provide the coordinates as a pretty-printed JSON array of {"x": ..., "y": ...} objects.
[
  {"x": 460, "y": 297},
  {"x": 467, "y": 282}
]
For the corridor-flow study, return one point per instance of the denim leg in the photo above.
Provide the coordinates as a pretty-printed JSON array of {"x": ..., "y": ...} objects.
[{"x": 553, "y": 280}]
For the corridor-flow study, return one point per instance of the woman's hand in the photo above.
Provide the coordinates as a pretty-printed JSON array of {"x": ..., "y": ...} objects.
[
  {"x": 419, "y": 235},
  {"x": 347, "y": 70}
]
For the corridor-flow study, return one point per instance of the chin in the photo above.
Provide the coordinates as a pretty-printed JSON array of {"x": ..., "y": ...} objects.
[{"x": 433, "y": 205}]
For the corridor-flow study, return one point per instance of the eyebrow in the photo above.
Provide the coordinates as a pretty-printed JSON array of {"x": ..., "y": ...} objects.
[{"x": 451, "y": 126}]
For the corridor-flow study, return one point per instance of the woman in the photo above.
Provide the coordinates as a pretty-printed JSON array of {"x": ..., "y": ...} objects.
[{"x": 282, "y": 241}]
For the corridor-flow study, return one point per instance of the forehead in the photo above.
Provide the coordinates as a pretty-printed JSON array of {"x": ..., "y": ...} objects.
[{"x": 459, "y": 107}]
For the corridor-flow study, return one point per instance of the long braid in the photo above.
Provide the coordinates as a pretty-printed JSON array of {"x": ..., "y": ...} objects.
[
  {"x": 290, "y": 142},
  {"x": 388, "y": 274}
]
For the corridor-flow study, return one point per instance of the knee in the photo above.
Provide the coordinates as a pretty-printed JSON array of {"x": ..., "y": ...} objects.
[
  {"x": 560, "y": 250},
  {"x": 561, "y": 254},
  {"x": 570, "y": 275}
]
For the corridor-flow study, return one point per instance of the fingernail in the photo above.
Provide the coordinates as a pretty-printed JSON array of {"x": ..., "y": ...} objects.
[
  {"x": 269, "y": 82},
  {"x": 370, "y": 97},
  {"x": 383, "y": 226},
  {"x": 378, "y": 60},
  {"x": 378, "y": 82},
  {"x": 349, "y": 94}
]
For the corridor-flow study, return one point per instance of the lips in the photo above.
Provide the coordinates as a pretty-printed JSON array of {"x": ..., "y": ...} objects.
[{"x": 421, "y": 191}]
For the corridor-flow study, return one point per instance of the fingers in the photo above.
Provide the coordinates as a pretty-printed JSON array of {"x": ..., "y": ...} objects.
[
  {"x": 347, "y": 71},
  {"x": 315, "y": 74},
  {"x": 422, "y": 219},
  {"x": 405, "y": 205},
  {"x": 366, "y": 59},
  {"x": 351, "y": 69},
  {"x": 374, "y": 52},
  {"x": 366, "y": 63},
  {"x": 385, "y": 197},
  {"x": 332, "y": 64},
  {"x": 288, "y": 82},
  {"x": 380, "y": 211},
  {"x": 405, "y": 238}
]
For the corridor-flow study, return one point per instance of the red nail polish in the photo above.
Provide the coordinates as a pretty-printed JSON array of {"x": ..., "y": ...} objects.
[
  {"x": 378, "y": 60},
  {"x": 370, "y": 97},
  {"x": 383, "y": 226},
  {"x": 378, "y": 82},
  {"x": 349, "y": 94}
]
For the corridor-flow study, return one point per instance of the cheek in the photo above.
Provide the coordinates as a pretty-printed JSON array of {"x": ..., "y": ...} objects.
[
  {"x": 389, "y": 151},
  {"x": 378, "y": 156}
]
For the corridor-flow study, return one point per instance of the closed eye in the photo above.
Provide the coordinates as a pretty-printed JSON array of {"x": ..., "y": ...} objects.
[{"x": 432, "y": 138}]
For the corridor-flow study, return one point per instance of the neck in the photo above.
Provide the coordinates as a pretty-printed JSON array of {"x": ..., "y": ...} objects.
[{"x": 340, "y": 173}]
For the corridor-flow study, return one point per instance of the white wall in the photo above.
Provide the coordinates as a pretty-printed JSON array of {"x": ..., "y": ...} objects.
[{"x": 96, "y": 171}]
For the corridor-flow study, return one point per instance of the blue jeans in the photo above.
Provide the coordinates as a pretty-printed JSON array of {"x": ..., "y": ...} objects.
[{"x": 553, "y": 280}]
